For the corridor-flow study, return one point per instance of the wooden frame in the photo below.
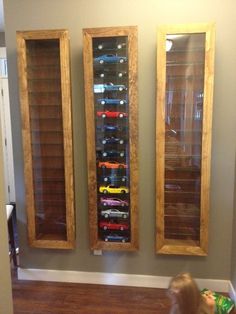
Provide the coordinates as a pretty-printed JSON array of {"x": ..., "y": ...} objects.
[
  {"x": 45, "y": 97},
  {"x": 167, "y": 243},
  {"x": 90, "y": 37}
]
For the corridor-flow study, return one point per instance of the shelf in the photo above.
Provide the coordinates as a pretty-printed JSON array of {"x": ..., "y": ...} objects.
[
  {"x": 48, "y": 106},
  {"x": 190, "y": 50},
  {"x": 183, "y": 135},
  {"x": 185, "y": 91},
  {"x": 174, "y": 132},
  {"x": 46, "y": 118},
  {"x": 49, "y": 132},
  {"x": 176, "y": 156},
  {"x": 45, "y": 93},
  {"x": 45, "y": 80},
  {"x": 111, "y": 116},
  {"x": 182, "y": 192}
]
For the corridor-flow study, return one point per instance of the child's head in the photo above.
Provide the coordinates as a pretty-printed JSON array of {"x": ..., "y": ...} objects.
[{"x": 184, "y": 292}]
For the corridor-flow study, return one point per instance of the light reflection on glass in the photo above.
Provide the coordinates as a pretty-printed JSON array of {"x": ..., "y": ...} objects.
[{"x": 185, "y": 62}]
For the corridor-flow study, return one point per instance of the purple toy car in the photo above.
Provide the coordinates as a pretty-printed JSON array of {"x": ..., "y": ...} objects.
[{"x": 113, "y": 201}]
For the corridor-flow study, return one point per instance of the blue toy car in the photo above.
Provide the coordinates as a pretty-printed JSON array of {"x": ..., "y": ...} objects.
[
  {"x": 111, "y": 101},
  {"x": 109, "y": 127},
  {"x": 113, "y": 87},
  {"x": 113, "y": 179},
  {"x": 110, "y": 58},
  {"x": 115, "y": 238},
  {"x": 109, "y": 87}
]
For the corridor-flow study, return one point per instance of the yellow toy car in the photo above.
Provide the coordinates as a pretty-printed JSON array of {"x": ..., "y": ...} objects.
[{"x": 111, "y": 188}]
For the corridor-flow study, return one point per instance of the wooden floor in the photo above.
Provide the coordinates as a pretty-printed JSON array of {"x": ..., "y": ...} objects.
[{"x": 36, "y": 297}]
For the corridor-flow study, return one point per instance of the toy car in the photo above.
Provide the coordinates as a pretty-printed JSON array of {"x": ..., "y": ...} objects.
[
  {"x": 111, "y": 101},
  {"x": 116, "y": 238},
  {"x": 111, "y": 164},
  {"x": 108, "y": 73},
  {"x": 112, "y": 179},
  {"x": 101, "y": 88},
  {"x": 110, "y": 45},
  {"x": 110, "y": 127},
  {"x": 109, "y": 153},
  {"x": 111, "y": 114},
  {"x": 111, "y": 188},
  {"x": 113, "y": 153},
  {"x": 110, "y": 58},
  {"x": 107, "y": 225},
  {"x": 114, "y": 212},
  {"x": 113, "y": 201},
  {"x": 112, "y": 140},
  {"x": 114, "y": 87}
]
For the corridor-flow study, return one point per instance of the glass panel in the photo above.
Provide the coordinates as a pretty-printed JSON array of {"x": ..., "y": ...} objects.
[
  {"x": 44, "y": 94},
  {"x": 110, "y": 57},
  {"x": 185, "y": 55}
]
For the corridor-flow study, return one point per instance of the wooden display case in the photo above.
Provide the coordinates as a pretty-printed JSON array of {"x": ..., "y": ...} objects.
[
  {"x": 110, "y": 68},
  {"x": 185, "y": 66},
  {"x": 44, "y": 81}
]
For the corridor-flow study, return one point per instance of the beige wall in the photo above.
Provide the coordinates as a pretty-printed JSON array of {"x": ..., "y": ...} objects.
[
  {"x": 233, "y": 266},
  {"x": 5, "y": 282},
  {"x": 2, "y": 39},
  {"x": 147, "y": 15}
]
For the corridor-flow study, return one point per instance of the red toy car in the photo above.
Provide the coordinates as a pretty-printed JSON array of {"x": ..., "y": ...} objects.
[
  {"x": 105, "y": 225},
  {"x": 111, "y": 114}
]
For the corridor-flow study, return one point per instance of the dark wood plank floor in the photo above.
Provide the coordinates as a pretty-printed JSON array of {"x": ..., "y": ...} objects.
[{"x": 36, "y": 297}]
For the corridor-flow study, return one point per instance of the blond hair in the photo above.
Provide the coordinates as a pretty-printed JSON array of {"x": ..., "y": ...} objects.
[{"x": 187, "y": 294}]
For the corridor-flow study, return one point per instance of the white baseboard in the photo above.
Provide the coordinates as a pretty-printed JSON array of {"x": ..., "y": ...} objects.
[
  {"x": 217, "y": 285},
  {"x": 232, "y": 292},
  {"x": 93, "y": 278},
  {"x": 116, "y": 279}
]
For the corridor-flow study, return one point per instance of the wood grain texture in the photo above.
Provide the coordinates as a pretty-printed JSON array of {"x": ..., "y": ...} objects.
[
  {"x": 28, "y": 175},
  {"x": 47, "y": 240},
  {"x": 68, "y": 137},
  {"x": 90, "y": 131},
  {"x": 34, "y": 297},
  {"x": 133, "y": 139},
  {"x": 88, "y": 35},
  {"x": 160, "y": 137},
  {"x": 110, "y": 31},
  {"x": 184, "y": 247},
  {"x": 42, "y": 34},
  {"x": 207, "y": 134}
]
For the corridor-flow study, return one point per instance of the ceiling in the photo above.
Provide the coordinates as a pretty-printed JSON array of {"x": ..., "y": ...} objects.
[{"x": 1, "y": 17}]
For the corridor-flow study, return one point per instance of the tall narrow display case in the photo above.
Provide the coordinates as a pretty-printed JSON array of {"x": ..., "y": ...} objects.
[
  {"x": 44, "y": 81},
  {"x": 110, "y": 68},
  {"x": 185, "y": 65}
]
